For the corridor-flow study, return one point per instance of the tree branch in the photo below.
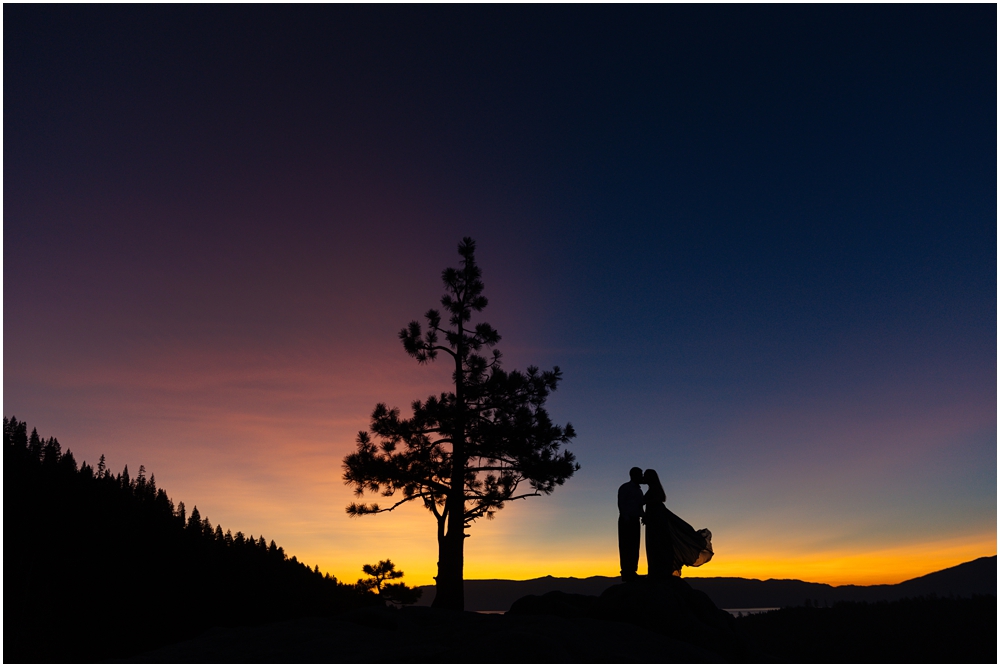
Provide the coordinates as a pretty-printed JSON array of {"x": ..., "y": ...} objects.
[
  {"x": 501, "y": 500},
  {"x": 508, "y": 467},
  {"x": 444, "y": 349}
]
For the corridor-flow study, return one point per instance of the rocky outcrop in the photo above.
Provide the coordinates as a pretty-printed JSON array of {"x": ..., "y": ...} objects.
[
  {"x": 555, "y": 603},
  {"x": 669, "y": 607}
]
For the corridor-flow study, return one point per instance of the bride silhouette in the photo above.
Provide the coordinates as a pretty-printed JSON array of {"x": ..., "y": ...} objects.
[{"x": 671, "y": 542}]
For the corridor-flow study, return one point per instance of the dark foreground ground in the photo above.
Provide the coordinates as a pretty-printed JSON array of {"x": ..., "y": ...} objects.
[
  {"x": 424, "y": 635},
  {"x": 929, "y": 630},
  {"x": 920, "y": 630}
]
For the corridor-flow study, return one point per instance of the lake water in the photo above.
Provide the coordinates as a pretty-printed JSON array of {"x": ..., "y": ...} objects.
[
  {"x": 749, "y": 610},
  {"x": 735, "y": 612}
]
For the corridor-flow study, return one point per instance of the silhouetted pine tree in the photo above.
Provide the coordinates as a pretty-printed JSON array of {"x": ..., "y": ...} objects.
[
  {"x": 465, "y": 453},
  {"x": 35, "y": 445},
  {"x": 378, "y": 577}
]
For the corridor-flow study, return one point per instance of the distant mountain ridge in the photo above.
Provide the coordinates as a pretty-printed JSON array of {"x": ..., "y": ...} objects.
[{"x": 977, "y": 577}]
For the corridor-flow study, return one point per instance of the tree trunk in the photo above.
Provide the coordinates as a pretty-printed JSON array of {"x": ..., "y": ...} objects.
[
  {"x": 450, "y": 589},
  {"x": 449, "y": 592}
]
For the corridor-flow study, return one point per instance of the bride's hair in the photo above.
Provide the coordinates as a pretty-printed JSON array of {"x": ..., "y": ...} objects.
[{"x": 656, "y": 491}]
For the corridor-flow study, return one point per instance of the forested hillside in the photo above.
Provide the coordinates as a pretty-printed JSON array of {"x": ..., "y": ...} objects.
[{"x": 101, "y": 565}]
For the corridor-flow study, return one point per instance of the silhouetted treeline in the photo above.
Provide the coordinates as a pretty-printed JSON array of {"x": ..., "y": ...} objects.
[
  {"x": 99, "y": 566},
  {"x": 918, "y": 630}
]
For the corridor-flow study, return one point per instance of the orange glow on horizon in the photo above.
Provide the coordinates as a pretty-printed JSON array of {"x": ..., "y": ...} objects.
[
  {"x": 887, "y": 566},
  {"x": 891, "y": 565}
]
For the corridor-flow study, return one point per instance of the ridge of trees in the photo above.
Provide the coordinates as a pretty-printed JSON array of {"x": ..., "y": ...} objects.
[{"x": 100, "y": 566}]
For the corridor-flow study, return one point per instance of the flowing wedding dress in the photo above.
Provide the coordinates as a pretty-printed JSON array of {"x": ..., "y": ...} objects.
[{"x": 671, "y": 542}]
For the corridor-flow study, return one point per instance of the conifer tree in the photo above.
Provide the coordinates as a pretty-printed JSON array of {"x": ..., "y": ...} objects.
[
  {"x": 378, "y": 577},
  {"x": 35, "y": 445},
  {"x": 194, "y": 521},
  {"x": 465, "y": 453},
  {"x": 15, "y": 436},
  {"x": 51, "y": 452},
  {"x": 67, "y": 461}
]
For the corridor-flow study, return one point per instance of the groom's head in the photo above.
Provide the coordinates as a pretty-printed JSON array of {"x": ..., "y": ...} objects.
[{"x": 635, "y": 474}]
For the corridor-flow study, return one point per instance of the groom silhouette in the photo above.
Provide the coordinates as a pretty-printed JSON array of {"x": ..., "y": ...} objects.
[{"x": 629, "y": 529}]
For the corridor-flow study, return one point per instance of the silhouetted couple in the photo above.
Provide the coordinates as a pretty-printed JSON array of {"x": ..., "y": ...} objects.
[{"x": 671, "y": 542}]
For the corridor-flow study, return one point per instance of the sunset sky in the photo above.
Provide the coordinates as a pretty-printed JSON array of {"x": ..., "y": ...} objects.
[{"x": 760, "y": 243}]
